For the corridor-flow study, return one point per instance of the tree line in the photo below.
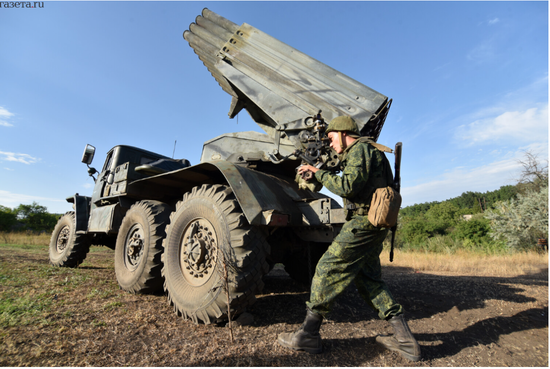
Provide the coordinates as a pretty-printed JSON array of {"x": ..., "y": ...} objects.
[
  {"x": 33, "y": 217},
  {"x": 512, "y": 218}
]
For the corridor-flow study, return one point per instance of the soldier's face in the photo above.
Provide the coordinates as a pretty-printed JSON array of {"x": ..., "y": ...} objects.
[{"x": 335, "y": 142}]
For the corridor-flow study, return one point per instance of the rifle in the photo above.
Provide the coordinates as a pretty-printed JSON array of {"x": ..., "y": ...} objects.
[{"x": 397, "y": 187}]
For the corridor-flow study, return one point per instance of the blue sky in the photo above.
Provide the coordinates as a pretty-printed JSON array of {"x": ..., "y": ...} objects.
[{"x": 469, "y": 83}]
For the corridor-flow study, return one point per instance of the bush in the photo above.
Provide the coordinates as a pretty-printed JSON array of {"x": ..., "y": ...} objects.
[
  {"x": 475, "y": 230},
  {"x": 444, "y": 215},
  {"x": 8, "y": 218},
  {"x": 521, "y": 222},
  {"x": 418, "y": 231},
  {"x": 35, "y": 217},
  {"x": 438, "y": 220}
]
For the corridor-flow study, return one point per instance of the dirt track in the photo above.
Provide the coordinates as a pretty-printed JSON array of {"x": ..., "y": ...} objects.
[{"x": 458, "y": 320}]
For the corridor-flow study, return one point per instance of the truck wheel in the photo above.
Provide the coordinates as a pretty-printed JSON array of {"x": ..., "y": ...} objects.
[
  {"x": 207, "y": 228},
  {"x": 68, "y": 249},
  {"x": 138, "y": 248}
]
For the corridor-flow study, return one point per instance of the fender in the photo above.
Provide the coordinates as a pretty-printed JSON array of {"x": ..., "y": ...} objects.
[
  {"x": 81, "y": 206},
  {"x": 264, "y": 199}
]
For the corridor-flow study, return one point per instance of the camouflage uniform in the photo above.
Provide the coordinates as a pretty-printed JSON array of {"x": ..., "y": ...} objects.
[{"x": 354, "y": 255}]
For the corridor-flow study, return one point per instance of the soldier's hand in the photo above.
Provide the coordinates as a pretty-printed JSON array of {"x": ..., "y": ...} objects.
[{"x": 307, "y": 171}]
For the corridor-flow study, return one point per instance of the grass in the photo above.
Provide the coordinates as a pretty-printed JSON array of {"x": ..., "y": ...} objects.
[
  {"x": 448, "y": 244},
  {"x": 26, "y": 291},
  {"x": 29, "y": 286},
  {"x": 22, "y": 310},
  {"x": 31, "y": 290},
  {"x": 25, "y": 239},
  {"x": 469, "y": 263}
]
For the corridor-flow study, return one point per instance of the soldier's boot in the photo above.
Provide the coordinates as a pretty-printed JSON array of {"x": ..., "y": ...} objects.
[
  {"x": 402, "y": 340},
  {"x": 307, "y": 338}
]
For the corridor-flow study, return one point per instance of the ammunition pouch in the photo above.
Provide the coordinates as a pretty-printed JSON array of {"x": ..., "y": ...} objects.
[
  {"x": 383, "y": 210},
  {"x": 384, "y": 207}
]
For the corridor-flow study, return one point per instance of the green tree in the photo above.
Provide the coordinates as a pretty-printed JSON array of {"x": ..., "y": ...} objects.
[
  {"x": 7, "y": 218},
  {"x": 467, "y": 200},
  {"x": 478, "y": 202},
  {"x": 444, "y": 213},
  {"x": 504, "y": 193},
  {"x": 437, "y": 220},
  {"x": 476, "y": 230},
  {"x": 35, "y": 217},
  {"x": 417, "y": 209},
  {"x": 414, "y": 231}
]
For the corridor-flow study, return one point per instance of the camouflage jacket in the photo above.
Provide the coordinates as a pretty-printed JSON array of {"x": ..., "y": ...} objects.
[{"x": 364, "y": 169}]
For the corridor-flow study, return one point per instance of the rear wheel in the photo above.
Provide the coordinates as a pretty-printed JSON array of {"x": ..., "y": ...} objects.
[
  {"x": 138, "y": 248},
  {"x": 68, "y": 249},
  {"x": 208, "y": 232}
]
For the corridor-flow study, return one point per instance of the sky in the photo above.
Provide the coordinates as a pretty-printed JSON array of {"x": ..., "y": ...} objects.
[{"x": 469, "y": 83}]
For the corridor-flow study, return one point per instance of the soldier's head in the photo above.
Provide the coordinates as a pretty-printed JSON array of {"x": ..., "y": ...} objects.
[{"x": 342, "y": 131}]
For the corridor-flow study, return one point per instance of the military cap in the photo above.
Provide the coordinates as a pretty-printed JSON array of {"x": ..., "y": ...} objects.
[{"x": 344, "y": 123}]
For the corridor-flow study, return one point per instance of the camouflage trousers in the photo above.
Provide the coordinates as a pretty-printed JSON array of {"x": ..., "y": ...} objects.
[{"x": 353, "y": 256}]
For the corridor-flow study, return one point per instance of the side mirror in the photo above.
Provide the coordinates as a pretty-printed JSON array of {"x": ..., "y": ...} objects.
[{"x": 88, "y": 155}]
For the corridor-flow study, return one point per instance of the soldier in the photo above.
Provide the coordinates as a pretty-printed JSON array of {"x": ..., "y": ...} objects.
[{"x": 354, "y": 255}]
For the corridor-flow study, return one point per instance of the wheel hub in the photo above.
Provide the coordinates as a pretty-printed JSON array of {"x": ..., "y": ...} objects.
[
  {"x": 134, "y": 247},
  {"x": 63, "y": 238},
  {"x": 197, "y": 254},
  {"x": 199, "y": 249}
]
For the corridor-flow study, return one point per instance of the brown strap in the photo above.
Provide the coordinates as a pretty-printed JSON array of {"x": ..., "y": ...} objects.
[
  {"x": 343, "y": 145},
  {"x": 376, "y": 144}
]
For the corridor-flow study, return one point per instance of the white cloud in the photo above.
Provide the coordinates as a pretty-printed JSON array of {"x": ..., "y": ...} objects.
[
  {"x": 493, "y": 21},
  {"x": 17, "y": 157},
  {"x": 5, "y": 114},
  {"x": 12, "y": 200},
  {"x": 518, "y": 126},
  {"x": 480, "y": 179}
]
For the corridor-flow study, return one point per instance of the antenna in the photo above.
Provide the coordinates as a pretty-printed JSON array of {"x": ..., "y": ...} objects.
[{"x": 173, "y": 152}]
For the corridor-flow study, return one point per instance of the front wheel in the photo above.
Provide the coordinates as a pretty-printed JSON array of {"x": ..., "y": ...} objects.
[
  {"x": 139, "y": 247},
  {"x": 208, "y": 235},
  {"x": 67, "y": 248}
]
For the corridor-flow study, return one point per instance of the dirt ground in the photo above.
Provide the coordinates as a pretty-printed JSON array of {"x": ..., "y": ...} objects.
[{"x": 458, "y": 321}]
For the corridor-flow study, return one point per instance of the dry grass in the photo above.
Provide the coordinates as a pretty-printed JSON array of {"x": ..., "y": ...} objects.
[
  {"x": 462, "y": 262},
  {"x": 469, "y": 263},
  {"x": 25, "y": 238}
]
